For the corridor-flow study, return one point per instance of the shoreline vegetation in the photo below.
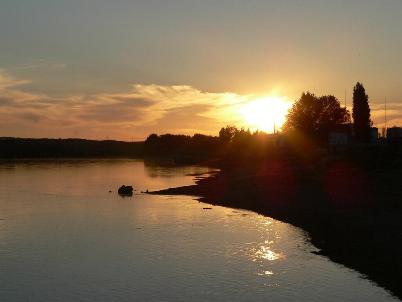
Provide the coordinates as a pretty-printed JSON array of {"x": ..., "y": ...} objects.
[{"x": 42, "y": 148}]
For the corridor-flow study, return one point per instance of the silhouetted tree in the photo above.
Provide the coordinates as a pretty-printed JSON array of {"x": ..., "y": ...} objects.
[
  {"x": 315, "y": 116},
  {"x": 227, "y": 134},
  {"x": 242, "y": 139},
  {"x": 361, "y": 113},
  {"x": 181, "y": 148}
]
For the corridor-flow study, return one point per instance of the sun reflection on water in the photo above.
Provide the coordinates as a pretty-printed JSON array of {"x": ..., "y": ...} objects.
[
  {"x": 265, "y": 256},
  {"x": 265, "y": 252}
]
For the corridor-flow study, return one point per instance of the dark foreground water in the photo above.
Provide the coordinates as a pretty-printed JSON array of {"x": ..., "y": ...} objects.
[{"x": 64, "y": 237}]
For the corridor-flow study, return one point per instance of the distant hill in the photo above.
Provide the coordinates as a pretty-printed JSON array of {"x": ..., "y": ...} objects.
[{"x": 75, "y": 148}]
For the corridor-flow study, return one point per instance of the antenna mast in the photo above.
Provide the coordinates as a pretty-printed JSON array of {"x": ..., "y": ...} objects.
[
  {"x": 345, "y": 98},
  {"x": 385, "y": 114}
]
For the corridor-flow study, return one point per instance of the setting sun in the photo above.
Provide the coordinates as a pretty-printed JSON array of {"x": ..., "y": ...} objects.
[{"x": 265, "y": 113}]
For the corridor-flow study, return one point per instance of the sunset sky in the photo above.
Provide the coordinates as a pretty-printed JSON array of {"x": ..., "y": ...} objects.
[{"x": 123, "y": 69}]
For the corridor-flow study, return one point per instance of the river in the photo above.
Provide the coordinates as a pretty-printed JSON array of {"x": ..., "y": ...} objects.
[{"x": 65, "y": 237}]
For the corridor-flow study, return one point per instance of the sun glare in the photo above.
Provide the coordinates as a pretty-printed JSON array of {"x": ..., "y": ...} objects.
[{"x": 265, "y": 113}]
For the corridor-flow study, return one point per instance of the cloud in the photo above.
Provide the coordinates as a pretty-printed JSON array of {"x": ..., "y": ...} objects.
[
  {"x": 188, "y": 119},
  {"x": 394, "y": 114},
  {"x": 137, "y": 112},
  {"x": 118, "y": 111},
  {"x": 7, "y": 81}
]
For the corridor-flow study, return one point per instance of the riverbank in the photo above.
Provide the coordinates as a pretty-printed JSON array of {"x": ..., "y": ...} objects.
[
  {"x": 45, "y": 148},
  {"x": 352, "y": 213}
]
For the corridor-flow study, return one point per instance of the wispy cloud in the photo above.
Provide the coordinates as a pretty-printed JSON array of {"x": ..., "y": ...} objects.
[
  {"x": 394, "y": 114},
  {"x": 7, "y": 81},
  {"x": 140, "y": 110}
]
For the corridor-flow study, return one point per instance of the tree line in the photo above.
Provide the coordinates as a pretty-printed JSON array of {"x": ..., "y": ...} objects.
[
  {"x": 316, "y": 117},
  {"x": 189, "y": 149},
  {"x": 67, "y": 148}
]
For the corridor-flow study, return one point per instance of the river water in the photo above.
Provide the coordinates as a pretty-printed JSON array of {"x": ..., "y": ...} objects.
[{"x": 65, "y": 237}]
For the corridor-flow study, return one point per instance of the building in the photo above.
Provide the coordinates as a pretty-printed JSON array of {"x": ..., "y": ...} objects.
[
  {"x": 343, "y": 136},
  {"x": 374, "y": 135},
  {"x": 340, "y": 137},
  {"x": 394, "y": 135}
]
